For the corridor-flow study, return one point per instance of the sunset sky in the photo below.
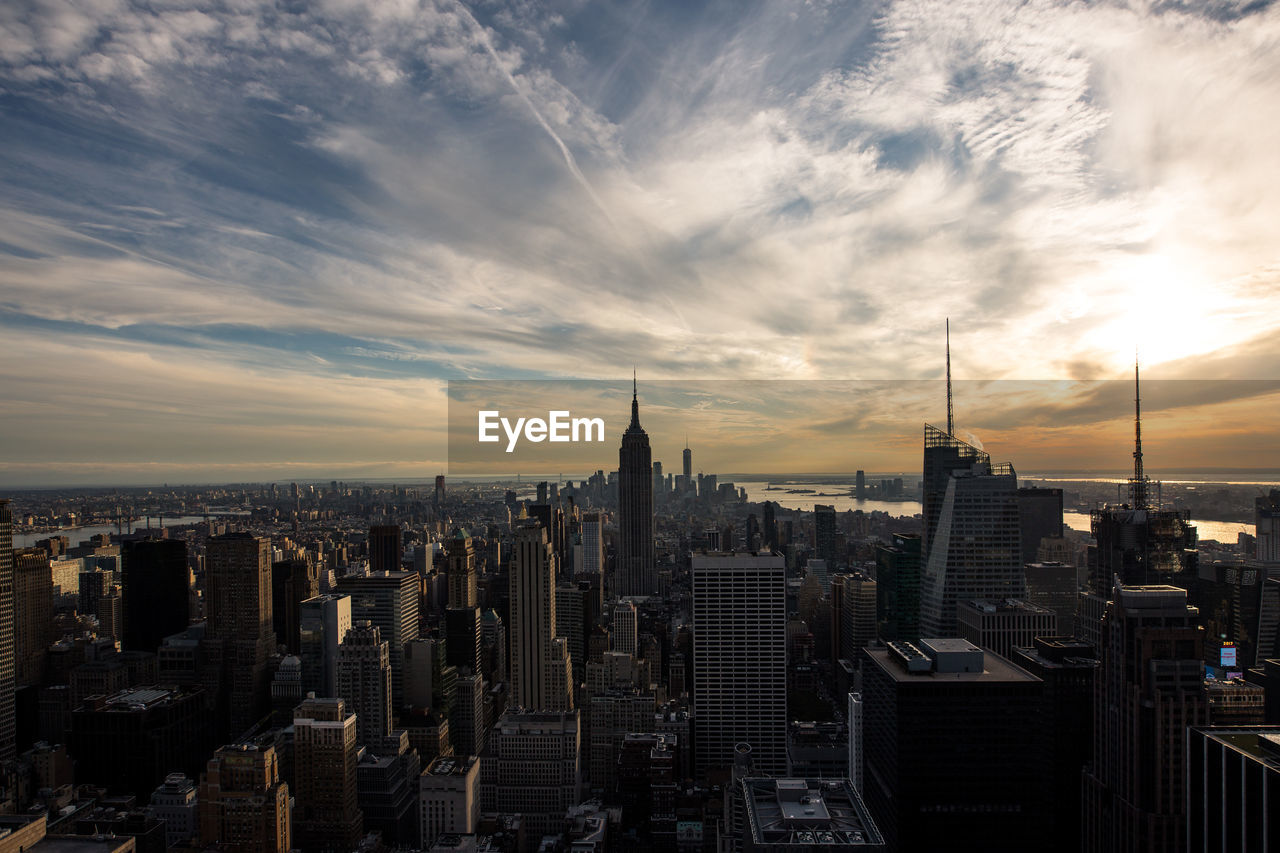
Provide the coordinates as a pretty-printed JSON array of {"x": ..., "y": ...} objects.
[{"x": 244, "y": 241}]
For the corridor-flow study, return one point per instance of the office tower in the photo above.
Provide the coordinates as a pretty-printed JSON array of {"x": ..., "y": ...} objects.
[
  {"x": 860, "y": 485},
  {"x": 551, "y": 517},
  {"x": 1267, "y": 528},
  {"x": 1001, "y": 625},
  {"x": 1066, "y": 666},
  {"x": 975, "y": 551},
  {"x": 1233, "y": 789},
  {"x": 437, "y": 498},
  {"x": 326, "y": 815},
  {"x": 448, "y": 798},
  {"x": 462, "y": 615},
  {"x": 943, "y": 454},
  {"x": 243, "y": 805},
  {"x": 898, "y": 588},
  {"x": 364, "y": 681},
  {"x": 33, "y": 614},
  {"x": 856, "y": 763},
  {"x": 385, "y": 548},
  {"x": 659, "y": 483},
  {"x": 239, "y": 640},
  {"x": 532, "y": 767},
  {"x": 946, "y": 729},
  {"x": 1149, "y": 688},
  {"x": 156, "y": 591},
  {"x": 611, "y": 714},
  {"x": 130, "y": 740},
  {"x": 687, "y": 468},
  {"x": 780, "y": 815},
  {"x": 540, "y": 667},
  {"x": 468, "y": 718},
  {"x": 740, "y": 659},
  {"x": 493, "y": 645},
  {"x": 635, "y": 573},
  {"x": 390, "y": 601},
  {"x": 572, "y": 606},
  {"x": 770, "y": 526},
  {"x": 626, "y": 628},
  {"x": 853, "y": 621},
  {"x": 592, "y": 563},
  {"x": 174, "y": 802},
  {"x": 1136, "y": 543},
  {"x": 387, "y": 790},
  {"x": 292, "y": 582},
  {"x": 323, "y": 623},
  {"x": 1039, "y": 517},
  {"x": 110, "y": 612},
  {"x": 1053, "y": 585},
  {"x": 824, "y": 533}
]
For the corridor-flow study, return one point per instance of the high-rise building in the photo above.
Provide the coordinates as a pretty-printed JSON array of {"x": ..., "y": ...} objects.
[
  {"x": 975, "y": 551},
  {"x": 943, "y": 454},
  {"x": 390, "y": 601},
  {"x": 1149, "y": 688},
  {"x": 1039, "y": 517},
  {"x": 386, "y": 548},
  {"x": 541, "y": 674},
  {"x": 174, "y": 802},
  {"x": 687, "y": 468},
  {"x": 855, "y": 620},
  {"x": 898, "y": 588},
  {"x": 156, "y": 591},
  {"x": 626, "y": 628},
  {"x": 532, "y": 767},
  {"x": 364, "y": 681},
  {"x": 239, "y": 639},
  {"x": 292, "y": 582},
  {"x": 1001, "y": 625},
  {"x": 449, "y": 798},
  {"x": 946, "y": 757},
  {"x": 636, "y": 573},
  {"x": 1267, "y": 528},
  {"x": 740, "y": 659},
  {"x": 243, "y": 805},
  {"x": 1066, "y": 666},
  {"x": 1054, "y": 585},
  {"x": 824, "y": 533},
  {"x": 860, "y": 485},
  {"x": 1233, "y": 789},
  {"x": 33, "y": 614},
  {"x": 8, "y": 718},
  {"x": 323, "y": 623},
  {"x": 592, "y": 563},
  {"x": 326, "y": 814},
  {"x": 462, "y": 615},
  {"x": 468, "y": 719}
]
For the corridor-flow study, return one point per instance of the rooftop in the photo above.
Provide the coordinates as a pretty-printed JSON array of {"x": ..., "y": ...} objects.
[
  {"x": 995, "y": 669},
  {"x": 806, "y": 812},
  {"x": 1261, "y": 743}
]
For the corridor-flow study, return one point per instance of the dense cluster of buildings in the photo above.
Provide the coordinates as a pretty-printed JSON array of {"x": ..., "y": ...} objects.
[{"x": 643, "y": 661}]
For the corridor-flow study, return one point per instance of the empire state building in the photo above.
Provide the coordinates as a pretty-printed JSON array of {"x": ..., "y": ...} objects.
[{"x": 635, "y": 574}]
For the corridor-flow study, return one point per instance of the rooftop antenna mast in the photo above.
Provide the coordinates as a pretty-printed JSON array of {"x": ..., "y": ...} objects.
[
  {"x": 951, "y": 418},
  {"x": 1138, "y": 489}
]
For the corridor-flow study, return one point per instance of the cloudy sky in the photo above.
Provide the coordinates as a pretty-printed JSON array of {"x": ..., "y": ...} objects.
[{"x": 244, "y": 240}]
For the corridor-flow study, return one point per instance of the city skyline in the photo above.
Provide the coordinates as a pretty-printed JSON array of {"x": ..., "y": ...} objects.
[{"x": 246, "y": 243}]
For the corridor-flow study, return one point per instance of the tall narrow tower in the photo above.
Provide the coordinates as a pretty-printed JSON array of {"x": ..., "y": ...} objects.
[
  {"x": 540, "y": 674},
  {"x": 240, "y": 638},
  {"x": 8, "y": 720},
  {"x": 635, "y": 575}
]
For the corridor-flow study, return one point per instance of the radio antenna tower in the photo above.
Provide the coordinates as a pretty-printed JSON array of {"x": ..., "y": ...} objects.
[
  {"x": 1138, "y": 485},
  {"x": 951, "y": 418}
]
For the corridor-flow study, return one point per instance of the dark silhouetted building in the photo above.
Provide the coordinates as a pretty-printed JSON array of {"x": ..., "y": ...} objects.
[
  {"x": 239, "y": 640},
  {"x": 8, "y": 714},
  {"x": 636, "y": 573},
  {"x": 243, "y": 805},
  {"x": 389, "y": 600},
  {"x": 156, "y": 591},
  {"x": 898, "y": 588},
  {"x": 385, "y": 548},
  {"x": 292, "y": 582},
  {"x": 1233, "y": 789},
  {"x": 326, "y": 814},
  {"x": 1039, "y": 517},
  {"x": 1001, "y": 625}
]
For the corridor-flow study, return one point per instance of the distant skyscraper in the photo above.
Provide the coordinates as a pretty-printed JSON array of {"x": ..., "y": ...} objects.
[
  {"x": 390, "y": 601},
  {"x": 323, "y": 625},
  {"x": 1267, "y": 528},
  {"x": 976, "y": 550},
  {"x": 943, "y": 453},
  {"x": 292, "y": 582},
  {"x": 364, "y": 682},
  {"x": 1039, "y": 517},
  {"x": 592, "y": 563},
  {"x": 824, "y": 534},
  {"x": 860, "y": 485},
  {"x": 636, "y": 573},
  {"x": 898, "y": 588},
  {"x": 33, "y": 613},
  {"x": 740, "y": 659},
  {"x": 1149, "y": 688},
  {"x": 156, "y": 591},
  {"x": 688, "y": 462},
  {"x": 540, "y": 667},
  {"x": 385, "y": 548},
  {"x": 462, "y": 616},
  {"x": 239, "y": 639},
  {"x": 326, "y": 817},
  {"x": 625, "y": 628}
]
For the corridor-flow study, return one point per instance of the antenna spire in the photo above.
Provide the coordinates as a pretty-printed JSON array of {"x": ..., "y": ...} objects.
[
  {"x": 635, "y": 403},
  {"x": 951, "y": 418},
  {"x": 1138, "y": 485}
]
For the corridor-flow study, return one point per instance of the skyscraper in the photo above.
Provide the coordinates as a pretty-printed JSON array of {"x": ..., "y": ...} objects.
[
  {"x": 740, "y": 659},
  {"x": 688, "y": 462},
  {"x": 385, "y": 548},
  {"x": 898, "y": 588},
  {"x": 462, "y": 616},
  {"x": 323, "y": 622},
  {"x": 364, "y": 682},
  {"x": 156, "y": 591},
  {"x": 591, "y": 567},
  {"x": 625, "y": 628},
  {"x": 327, "y": 817},
  {"x": 943, "y": 453},
  {"x": 239, "y": 639},
  {"x": 1267, "y": 528},
  {"x": 1149, "y": 688},
  {"x": 540, "y": 666},
  {"x": 824, "y": 533},
  {"x": 33, "y": 613},
  {"x": 292, "y": 582},
  {"x": 8, "y": 720},
  {"x": 635, "y": 574},
  {"x": 976, "y": 547},
  {"x": 390, "y": 601},
  {"x": 243, "y": 805}
]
